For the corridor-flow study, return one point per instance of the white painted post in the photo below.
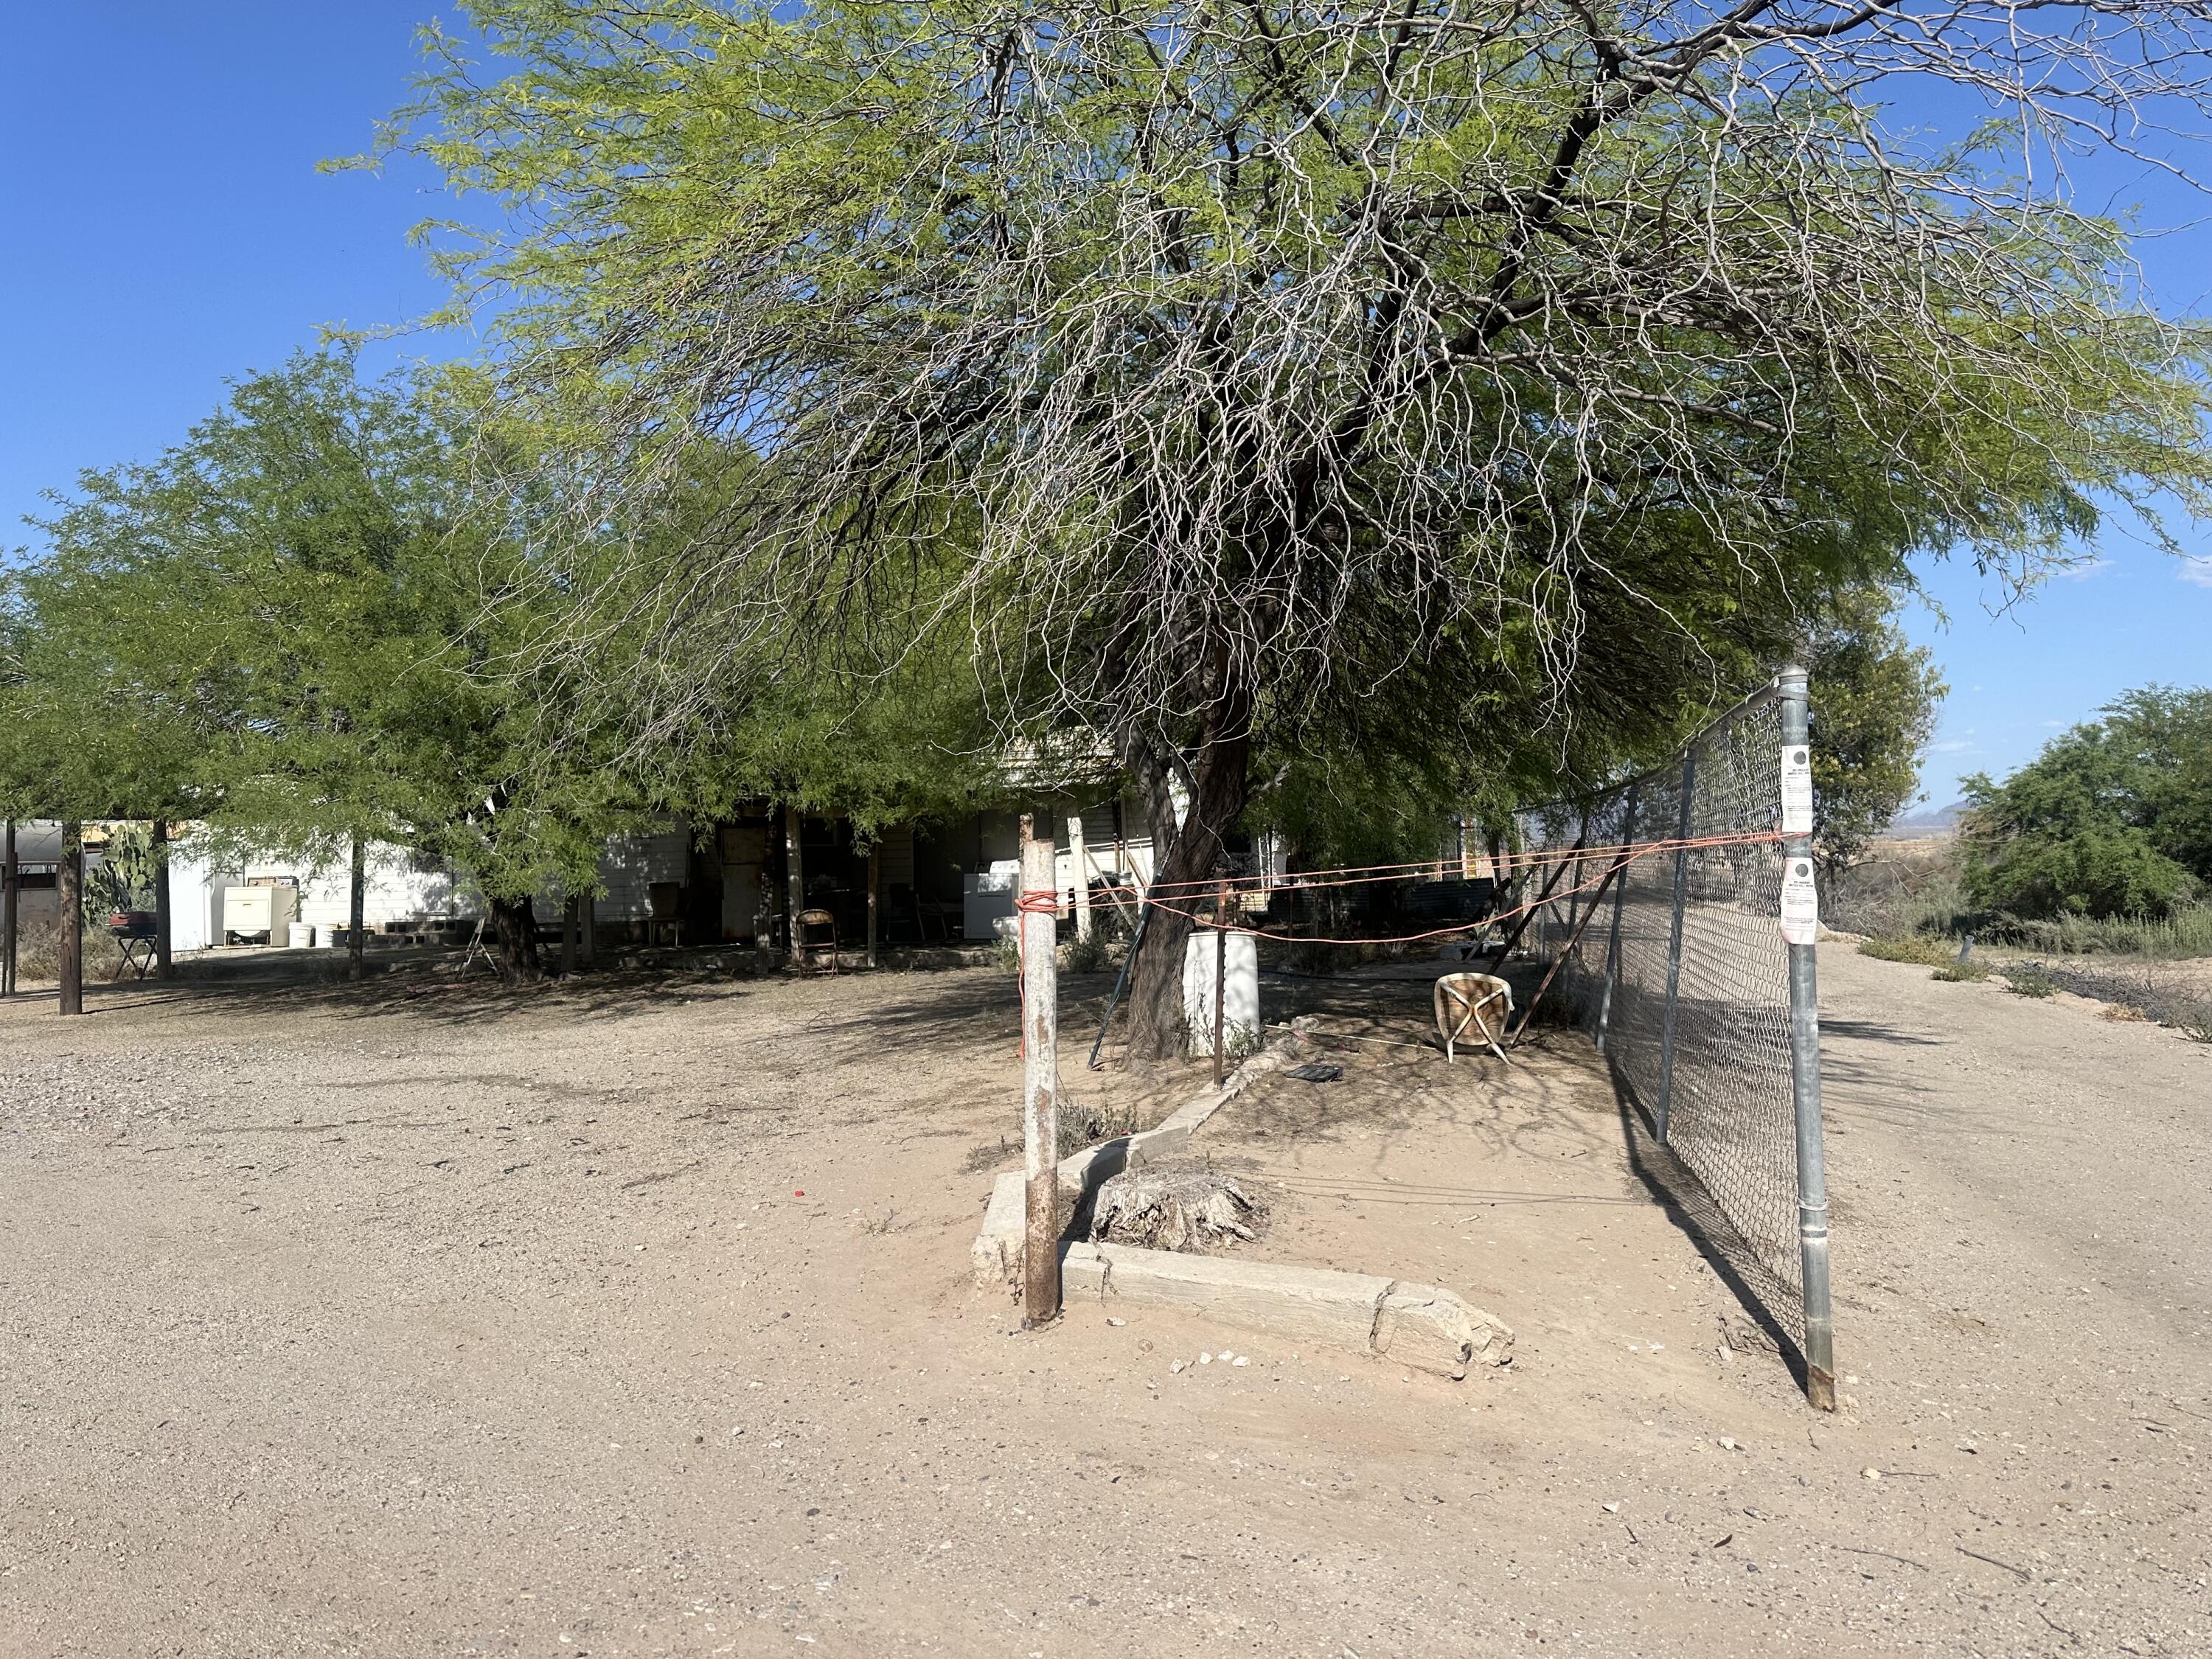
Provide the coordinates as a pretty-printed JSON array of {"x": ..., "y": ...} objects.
[
  {"x": 1078, "y": 856},
  {"x": 1034, "y": 907},
  {"x": 7, "y": 913}
]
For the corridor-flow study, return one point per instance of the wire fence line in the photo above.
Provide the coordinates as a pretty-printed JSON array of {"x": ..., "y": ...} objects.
[{"x": 1680, "y": 970}]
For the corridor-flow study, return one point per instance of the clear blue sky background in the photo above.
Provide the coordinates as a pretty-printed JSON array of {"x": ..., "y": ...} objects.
[{"x": 163, "y": 227}]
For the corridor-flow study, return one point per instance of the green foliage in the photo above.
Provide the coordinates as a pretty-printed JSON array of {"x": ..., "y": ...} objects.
[
  {"x": 301, "y": 625},
  {"x": 1260, "y": 389},
  {"x": 1873, "y": 699},
  {"x": 1968, "y": 972},
  {"x": 2031, "y": 979},
  {"x": 124, "y": 877},
  {"x": 2113, "y": 819},
  {"x": 1087, "y": 955}
]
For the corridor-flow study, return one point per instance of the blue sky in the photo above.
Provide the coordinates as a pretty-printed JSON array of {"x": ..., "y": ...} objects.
[
  {"x": 163, "y": 227},
  {"x": 162, "y": 224}
]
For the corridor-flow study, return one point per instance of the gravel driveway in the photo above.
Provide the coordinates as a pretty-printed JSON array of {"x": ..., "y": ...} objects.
[{"x": 635, "y": 1320}]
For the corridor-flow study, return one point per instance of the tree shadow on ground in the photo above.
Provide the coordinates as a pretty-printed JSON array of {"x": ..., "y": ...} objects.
[{"x": 427, "y": 984}]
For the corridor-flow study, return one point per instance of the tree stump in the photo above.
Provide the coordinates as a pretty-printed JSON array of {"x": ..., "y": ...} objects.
[{"x": 1186, "y": 1210}]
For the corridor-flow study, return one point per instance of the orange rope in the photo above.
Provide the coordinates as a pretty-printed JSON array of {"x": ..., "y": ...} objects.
[
  {"x": 1030, "y": 901},
  {"x": 1357, "y": 875},
  {"x": 1618, "y": 857}
]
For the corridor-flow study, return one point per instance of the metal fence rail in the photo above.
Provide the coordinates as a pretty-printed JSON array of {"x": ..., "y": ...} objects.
[{"x": 1707, "y": 1016}]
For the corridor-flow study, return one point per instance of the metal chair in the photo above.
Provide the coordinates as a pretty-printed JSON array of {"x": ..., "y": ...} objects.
[
  {"x": 808, "y": 947},
  {"x": 665, "y": 924}
]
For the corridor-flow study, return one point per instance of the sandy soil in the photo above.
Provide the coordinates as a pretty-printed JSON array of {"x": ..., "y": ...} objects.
[{"x": 635, "y": 1320}]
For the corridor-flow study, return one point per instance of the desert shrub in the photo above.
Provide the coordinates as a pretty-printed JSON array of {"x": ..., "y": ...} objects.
[
  {"x": 1897, "y": 893},
  {"x": 1929, "y": 952},
  {"x": 1087, "y": 955},
  {"x": 1968, "y": 972},
  {"x": 2185, "y": 932},
  {"x": 2192, "y": 1017},
  {"x": 2030, "y": 980},
  {"x": 1079, "y": 1124},
  {"x": 38, "y": 953}
]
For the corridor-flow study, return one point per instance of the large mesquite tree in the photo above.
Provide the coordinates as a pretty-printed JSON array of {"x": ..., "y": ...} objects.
[{"x": 1216, "y": 370}]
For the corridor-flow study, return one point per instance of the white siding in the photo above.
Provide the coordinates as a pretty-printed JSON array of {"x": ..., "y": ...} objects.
[{"x": 629, "y": 864}]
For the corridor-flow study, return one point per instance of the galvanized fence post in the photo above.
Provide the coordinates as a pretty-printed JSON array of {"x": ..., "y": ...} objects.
[
  {"x": 1665, "y": 1103},
  {"x": 1800, "y": 929},
  {"x": 1620, "y": 893}
]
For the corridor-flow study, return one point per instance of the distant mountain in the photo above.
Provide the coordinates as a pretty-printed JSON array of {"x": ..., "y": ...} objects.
[{"x": 1935, "y": 821}]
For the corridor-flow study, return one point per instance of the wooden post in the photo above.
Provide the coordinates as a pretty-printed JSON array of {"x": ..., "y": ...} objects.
[
  {"x": 587, "y": 930},
  {"x": 164, "y": 963},
  {"x": 69, "y": 915},
  {"x": 794, "y": 887},
  {"x": 1078, "y": 857},
  {"x": 571, "y": 928},
  {"x": 1040, "y": 1083},
  {"x": 875, "y": 882},
  {"x": 357, "y": 911},
  {"x": 1220, "y": 975},
  {"x": 8, "y": 914}
]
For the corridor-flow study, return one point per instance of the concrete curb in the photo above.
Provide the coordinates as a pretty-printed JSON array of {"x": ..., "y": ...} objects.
[
  {"x": 1422, "y": 1326},
  {"x": 997, "y": 1252}
]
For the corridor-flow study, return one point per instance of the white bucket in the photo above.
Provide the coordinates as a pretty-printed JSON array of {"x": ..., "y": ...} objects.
[{"x": 300, "y": 936}]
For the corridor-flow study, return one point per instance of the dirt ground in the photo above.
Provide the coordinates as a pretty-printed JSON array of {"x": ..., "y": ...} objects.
[{"x": 636, "y": 1319}]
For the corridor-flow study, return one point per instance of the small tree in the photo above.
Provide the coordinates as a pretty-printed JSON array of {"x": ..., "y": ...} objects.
[
  {"x": 300, "y": 626},
  {"x": 2111, "y": 819},
  {"x": 1875, "y": 698}
]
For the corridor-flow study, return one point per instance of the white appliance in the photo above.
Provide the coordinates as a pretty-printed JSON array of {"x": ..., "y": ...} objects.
[
  {"x": 258, "y": 916},
  {"x": 987, "y": 900}
]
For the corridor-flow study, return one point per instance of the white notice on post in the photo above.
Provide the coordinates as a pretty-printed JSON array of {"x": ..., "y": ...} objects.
[
  {"x": 1800, "y": 905},
  {"x": 1797, "y": 790}
]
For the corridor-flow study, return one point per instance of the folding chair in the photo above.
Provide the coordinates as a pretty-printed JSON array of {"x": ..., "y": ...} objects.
[{"x": 809, "y": 947}]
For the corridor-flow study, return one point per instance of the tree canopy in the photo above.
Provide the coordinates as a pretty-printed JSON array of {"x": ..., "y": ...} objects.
[
  {"x": 300, "y": 627},
  {"x": 1214, "y": 374},
  {"x": 2113, "y": 819}
]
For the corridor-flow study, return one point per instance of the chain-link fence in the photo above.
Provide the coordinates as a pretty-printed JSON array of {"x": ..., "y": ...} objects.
[{"x": 1679, "y": 969}]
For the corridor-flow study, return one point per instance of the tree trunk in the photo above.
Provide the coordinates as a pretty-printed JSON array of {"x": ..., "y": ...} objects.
[
  {"x": 572, "y": 929},
  {"x": 69, "y": 915},
  {"x": 164, "y": 956},
  {"x": 875, "y": 875},
  {"x": 1186, "y": 859},
  {"x": 514, "y": 925},
  {"x": 358, "y": 913},
  {"x": 795, "y": 873}
]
